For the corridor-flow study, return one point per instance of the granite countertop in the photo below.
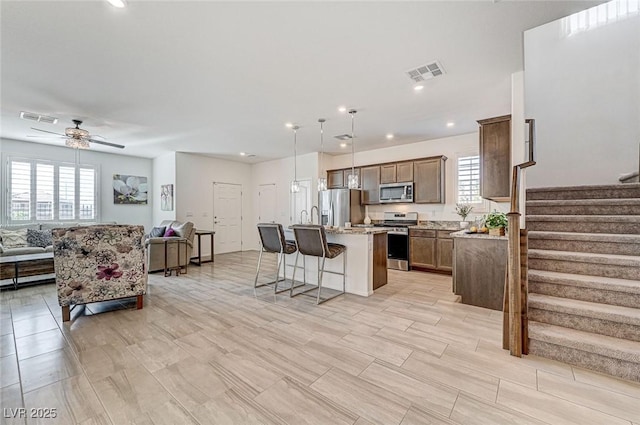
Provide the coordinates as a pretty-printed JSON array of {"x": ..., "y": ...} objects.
[
  {"x": 355, "y": 230},
  {"x": 464, "y": 234},
  {"x": 437, "y": 225}
]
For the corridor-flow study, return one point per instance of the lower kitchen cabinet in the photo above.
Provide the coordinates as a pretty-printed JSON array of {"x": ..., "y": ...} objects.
[{"x": 431, "y": 250}]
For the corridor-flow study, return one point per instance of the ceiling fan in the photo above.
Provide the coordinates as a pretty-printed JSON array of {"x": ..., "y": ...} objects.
[{"x": 76, "y": 137}]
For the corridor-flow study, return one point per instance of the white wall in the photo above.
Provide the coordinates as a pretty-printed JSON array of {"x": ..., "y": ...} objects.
[
  {"x": 584, "y": 92},
  {"x": 193, "y": 191},
  {"x": 108, "y": 164},
  {"x": 451, "y": 147},
  {"x": 164, "y": 172},
  {"x": 280, "y": 172}
]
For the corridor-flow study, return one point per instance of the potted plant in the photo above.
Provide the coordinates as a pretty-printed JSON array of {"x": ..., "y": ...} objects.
[
  {"x": 496, "y": 222},
  {"x": 463, "y": 211}
]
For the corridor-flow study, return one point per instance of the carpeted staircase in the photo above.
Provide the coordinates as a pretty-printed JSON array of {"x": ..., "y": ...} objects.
[{"x": 584, "y": 276}]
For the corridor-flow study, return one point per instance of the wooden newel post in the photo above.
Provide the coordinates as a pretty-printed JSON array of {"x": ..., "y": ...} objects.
[{"x": 515, "y": 296}]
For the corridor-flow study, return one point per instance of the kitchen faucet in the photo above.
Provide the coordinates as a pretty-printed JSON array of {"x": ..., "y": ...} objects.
[
  {"x": 306, "y": 212},
  {"x": 317, "y": 213}
]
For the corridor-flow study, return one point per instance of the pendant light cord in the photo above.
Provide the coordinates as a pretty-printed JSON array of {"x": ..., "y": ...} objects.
[
  {"x": 321, "y": 121},
  {"x": 353, "y": 138},
  {"x": 295, "y": 153}
]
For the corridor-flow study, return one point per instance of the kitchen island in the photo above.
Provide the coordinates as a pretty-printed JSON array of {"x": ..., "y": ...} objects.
[
  {"x": 366, "y": 260},
  {"x": 479, "y": 268}
]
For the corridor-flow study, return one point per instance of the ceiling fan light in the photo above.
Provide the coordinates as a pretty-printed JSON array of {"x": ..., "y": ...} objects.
[
  {"x": 77, "y": 143},
  {"x": 76, "y": 132}
]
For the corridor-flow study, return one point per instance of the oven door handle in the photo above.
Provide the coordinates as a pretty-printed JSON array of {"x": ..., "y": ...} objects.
[{"x": 396, "y": 232}]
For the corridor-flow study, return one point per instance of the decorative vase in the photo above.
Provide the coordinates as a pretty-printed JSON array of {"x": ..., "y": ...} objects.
[
  {"x": 464, "y": 224},
  {"x": 496, "y": 231},
  {"x": 367, "y": 220}
]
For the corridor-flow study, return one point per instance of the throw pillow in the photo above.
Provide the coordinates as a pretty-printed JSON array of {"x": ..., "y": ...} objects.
[
  {"x": 182, "y": 229},
  {"x": 169, "y": 233},
  {"x": 39, "y": 238},
  {"x": 157, "y": 232},
  {"x": 14, "y": 238}
]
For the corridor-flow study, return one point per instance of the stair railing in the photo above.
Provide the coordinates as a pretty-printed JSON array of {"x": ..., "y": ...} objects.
[{"x": 515, "y": 299}]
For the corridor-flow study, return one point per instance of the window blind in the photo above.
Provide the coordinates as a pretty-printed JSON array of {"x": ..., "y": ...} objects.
[{"x": 469, "y": 180}]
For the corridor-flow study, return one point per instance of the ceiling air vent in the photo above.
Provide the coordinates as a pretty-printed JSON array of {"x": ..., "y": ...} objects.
[
  {"x": 425, "y": 72},
  {"x": 37, "y": 117},
  {"x": 343, "y": 137}
]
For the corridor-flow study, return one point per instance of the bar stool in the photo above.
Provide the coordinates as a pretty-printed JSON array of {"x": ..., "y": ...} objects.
[
  {"x": 312, "y": 241},
  {"x": 273, "y": 241}
]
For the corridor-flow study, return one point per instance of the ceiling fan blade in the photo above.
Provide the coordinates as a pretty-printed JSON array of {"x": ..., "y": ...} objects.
[
  {"x": 45, "y": 131},
  {"x": 47, "y": 137},
  {"x": 101, "y": 142}
]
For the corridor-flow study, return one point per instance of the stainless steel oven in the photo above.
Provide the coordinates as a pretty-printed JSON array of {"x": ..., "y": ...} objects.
[{"x": 398, "y": 238}]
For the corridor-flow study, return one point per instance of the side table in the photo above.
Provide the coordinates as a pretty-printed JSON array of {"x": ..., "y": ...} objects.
[
  {"x": 198, "y": 259},
  {"x": 177, "y": 268}
]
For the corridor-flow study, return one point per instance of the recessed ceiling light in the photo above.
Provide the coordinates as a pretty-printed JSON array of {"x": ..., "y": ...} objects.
[
  {"x": 450, "y": 124},
  {"x": 243, "y": 153},
  {"x": 418, "y": 87},
  {"x": 389, "y": 136},
  {"x": 342, "y": 109},
  {"x": 288, "y": 125},
  {"x": 343, "y": 145},
  {"x": 117, "y": 3}
]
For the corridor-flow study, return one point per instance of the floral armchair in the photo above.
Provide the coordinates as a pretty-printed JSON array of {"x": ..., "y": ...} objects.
[{"x": 99, "y": 263}]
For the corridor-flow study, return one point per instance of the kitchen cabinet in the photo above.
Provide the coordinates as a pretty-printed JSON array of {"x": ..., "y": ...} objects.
[
  {"x": 495, "y": 158},
  {"x": 398, "y": 172},
  {"x": 404, "y": 172},
  {"x": 431, "y": 250},
  {"x": 388, "y": 173},
  {"x": 335, "y": 179},
  {"x": 422, "y": 250},
  {"x": 444, "y": 250},
  {"x": 370, "y": 182},
  {"x": 479, "y": 268},
  {"x": 428, "y": 177}
]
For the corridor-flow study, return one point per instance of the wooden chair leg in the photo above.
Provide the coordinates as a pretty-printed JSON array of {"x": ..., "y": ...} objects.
[
  {"x": 139, "y": 302},
  {"x": 66, "y": 313}
]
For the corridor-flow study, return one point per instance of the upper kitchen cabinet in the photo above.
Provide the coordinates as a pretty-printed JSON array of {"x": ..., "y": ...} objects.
[
  {"x": 495, "y": 158},
  {"x": 428, "y": 178},
  {"x": 397, "y": 172},
  {"x": 335, "y": 179},
  {"x": 370, "y": 182},
  {"x": 404, "y": 172}
]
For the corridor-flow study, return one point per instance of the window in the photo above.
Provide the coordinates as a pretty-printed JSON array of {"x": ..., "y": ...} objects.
[
  {"x": 45, "y": 190},
  {"x": 469, "y": 180},
  {"x": 597, "y": 16}
]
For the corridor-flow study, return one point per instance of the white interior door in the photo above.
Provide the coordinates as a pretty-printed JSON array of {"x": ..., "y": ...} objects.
[
  {"x": 267, "y": 211},
  {"x": 301, "y": 201},
  {"x": 227, "y": 217}
]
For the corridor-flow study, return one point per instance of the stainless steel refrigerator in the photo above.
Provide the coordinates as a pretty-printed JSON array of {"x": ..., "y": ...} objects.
[{"x": 338, "y": 206}]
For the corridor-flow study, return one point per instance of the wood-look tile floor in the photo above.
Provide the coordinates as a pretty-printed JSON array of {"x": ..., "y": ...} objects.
[{"x": 205, "y": 350}]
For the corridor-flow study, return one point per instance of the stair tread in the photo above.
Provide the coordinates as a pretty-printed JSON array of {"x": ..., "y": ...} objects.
[
  {"x": 586, "y": 281},
  {"x": 583, "y": 202},
  {"x": 608, "y": 346},
  {"x": 585, "y": 217},
  {"x": 627, "y": 315},
  {"x": 586, "y": 257},
  {"x": 588, "y": 237},
  {"x": 585, "y": 187}
]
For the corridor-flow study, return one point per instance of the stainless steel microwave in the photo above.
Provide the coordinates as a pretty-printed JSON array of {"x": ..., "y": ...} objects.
[{"x": 396, "y": 192}]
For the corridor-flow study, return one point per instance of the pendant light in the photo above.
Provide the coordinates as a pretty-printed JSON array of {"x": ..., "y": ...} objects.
[
  {"x": 322, "y": 181},
  {"x": 352, "y": 180},
  {"x": 295, "y": 184}
]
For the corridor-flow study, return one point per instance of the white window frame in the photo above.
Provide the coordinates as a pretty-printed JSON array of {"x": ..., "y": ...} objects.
[
  {"x": 56, "y": 210},
  {"x": 478, "y": 207}
]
